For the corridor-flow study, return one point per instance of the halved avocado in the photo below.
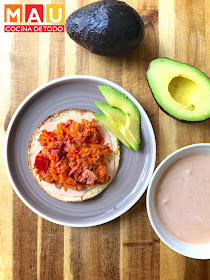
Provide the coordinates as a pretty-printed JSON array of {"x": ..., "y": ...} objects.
[
  {"x": 180, "y": 90},
  {"x": 120, "y": 100},
  {"x": 118, "y": 119},
  {"x": 101, "y": 117}
]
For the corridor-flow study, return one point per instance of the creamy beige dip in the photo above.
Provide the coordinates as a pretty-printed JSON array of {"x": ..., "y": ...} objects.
[
  {"x": 182, "y": 199},
  {"x": 50, "y": 126}
]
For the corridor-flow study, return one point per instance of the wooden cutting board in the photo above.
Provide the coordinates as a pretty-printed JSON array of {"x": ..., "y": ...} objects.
[{"x": 126, "y": 248}]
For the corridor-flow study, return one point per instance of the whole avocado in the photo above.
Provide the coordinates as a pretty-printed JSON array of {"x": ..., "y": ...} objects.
[{"x": 106, "y": 27}]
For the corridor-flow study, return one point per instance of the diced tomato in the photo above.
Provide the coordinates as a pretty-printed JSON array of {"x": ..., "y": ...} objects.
[
  {"x": 100, "y": 139},
  {"x": 41, "y": 163}
]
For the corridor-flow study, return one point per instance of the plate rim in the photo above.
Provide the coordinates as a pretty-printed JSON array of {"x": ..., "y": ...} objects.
[{"x": 90, "y": 78}]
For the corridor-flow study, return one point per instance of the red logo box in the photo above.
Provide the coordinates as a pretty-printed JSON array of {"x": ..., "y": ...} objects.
[{"x": 34, "y": 13}]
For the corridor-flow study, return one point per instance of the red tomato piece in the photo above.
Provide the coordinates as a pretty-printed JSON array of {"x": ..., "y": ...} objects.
[
  {"x": 100, "y": 139},
  {"x": 41, "y": 163}
]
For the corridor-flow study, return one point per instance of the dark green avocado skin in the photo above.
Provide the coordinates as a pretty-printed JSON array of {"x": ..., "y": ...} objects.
[{"x": 106, "y": 27}]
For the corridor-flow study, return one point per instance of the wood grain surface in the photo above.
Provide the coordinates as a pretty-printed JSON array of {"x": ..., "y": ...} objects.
[{"x": 126, "y": 248}]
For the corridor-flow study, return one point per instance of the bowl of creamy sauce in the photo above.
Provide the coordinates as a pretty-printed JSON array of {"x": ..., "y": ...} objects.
[{"x": 178, "y": 201}]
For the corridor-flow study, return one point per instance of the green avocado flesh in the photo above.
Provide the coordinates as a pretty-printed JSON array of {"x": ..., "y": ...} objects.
[
  {"x": 101, "y": 117},
  {"x": 131, "y": 119},
  {"x": 181, "y": 90},
  {"x": 118, "y": 118}
]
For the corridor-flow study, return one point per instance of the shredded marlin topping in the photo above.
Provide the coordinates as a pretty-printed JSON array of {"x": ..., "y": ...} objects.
[{"x": 73, "y": 155}]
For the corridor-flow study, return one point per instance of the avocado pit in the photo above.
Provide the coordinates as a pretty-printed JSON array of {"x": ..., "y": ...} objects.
[{"x": 184, "y": 91}]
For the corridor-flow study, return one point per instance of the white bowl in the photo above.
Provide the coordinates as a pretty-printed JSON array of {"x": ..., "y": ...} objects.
[{"x": 201, "y": 251}]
